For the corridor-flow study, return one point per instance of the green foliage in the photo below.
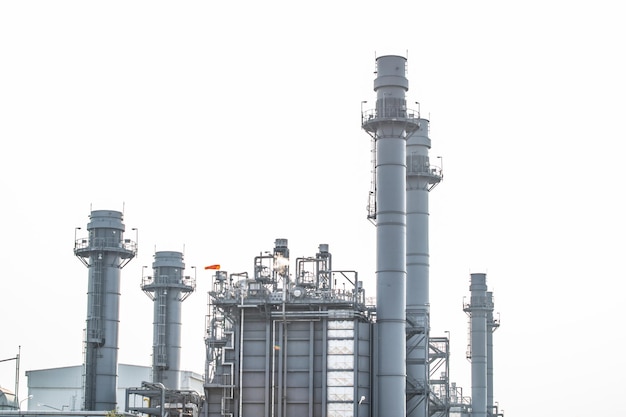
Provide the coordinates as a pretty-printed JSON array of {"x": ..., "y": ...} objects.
[{"x": 113, "y": 413}]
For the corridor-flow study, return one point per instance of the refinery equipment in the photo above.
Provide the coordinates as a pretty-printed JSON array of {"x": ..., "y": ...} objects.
[
  {"x": 403, "y": 177},
  {"x": 492, "y": 325},
  {"x": 168, "y": 287},
  {"x": 480, "y": 349},
  {"x": 389, "y": 126},
  {"x": 283, "y": 345},
  {"x": 105, "y": 252},
  {"x": 154, "y": 399},
  {"x": 300, "y": 340}
]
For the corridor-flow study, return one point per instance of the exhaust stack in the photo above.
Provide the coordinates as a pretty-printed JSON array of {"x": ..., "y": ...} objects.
[
  {"x": 388, "y": 125},
  {"x": 105, "y": 252},
  {"x": 492, "y": 326},
  {"x": 421, "y": 177},
  {"x": 479, "y": 309},
  {"x": 168, "y": 288}
]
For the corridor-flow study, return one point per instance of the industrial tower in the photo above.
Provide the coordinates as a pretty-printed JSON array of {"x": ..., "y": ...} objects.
[
  {"x": 168, "y": 288},
  {"x": 480, "y": 349},
  {"x": 105, "y": 252},
  {"x": 421, "y": 177},
  {"x": 492, "y": 325},
  {"x": 399, "y": 208}
]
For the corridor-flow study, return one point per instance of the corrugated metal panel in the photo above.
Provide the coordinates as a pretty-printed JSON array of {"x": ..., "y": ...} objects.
[
  {"x": 339, "y": 394},
  {"x": 340, "y": 362},
  {"x": 340, "y": 410},
  {"x": 341, "y": 334},
  {"x": 340, "y": 379},
  {"x": 340, "y": 324},
  {"x": 340, "y": 347}
]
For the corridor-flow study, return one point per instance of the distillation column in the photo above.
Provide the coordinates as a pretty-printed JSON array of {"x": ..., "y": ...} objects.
[
  {"x": 105, "y": 253},
  {"x": 420, "y": 178},
  {"x": 478, "y": 309},
  {"x": 388, "y": 125},
  {"x": 168, "y": 288}
]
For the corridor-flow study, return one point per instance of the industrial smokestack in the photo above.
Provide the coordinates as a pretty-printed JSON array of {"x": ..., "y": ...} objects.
[
  {"x": 105, "y": 253},
  {"x": 388, "y": 125},
  {"x": 492, "y": 326},
  {"x": 478, "y": 309},
  {"x": 168, "y": 288},
  {"x": 421, "y": 177}
]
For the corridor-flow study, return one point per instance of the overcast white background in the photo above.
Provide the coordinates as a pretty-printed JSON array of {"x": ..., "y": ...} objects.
[{"x": 217, "y": 127}]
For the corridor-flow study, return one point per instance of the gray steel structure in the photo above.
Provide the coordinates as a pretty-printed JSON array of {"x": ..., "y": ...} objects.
[
  {"x": 479, "y": 309},
  {"x": 389, "y": 125},
  {"x": 281, "y": 346},
  {"x": 421, "y": 177},
  {"x": 403, "y": 179},
  {"x": 154, "y": 399},
  {"x": 168, "y": 287},
  {"x": 439, "y": 403},
  {"x": 105, "y": 252},
  {"x": 492, "y": 326}
]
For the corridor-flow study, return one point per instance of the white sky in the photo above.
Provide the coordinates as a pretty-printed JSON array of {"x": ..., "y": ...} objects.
[{"x": 218, "y": 127}]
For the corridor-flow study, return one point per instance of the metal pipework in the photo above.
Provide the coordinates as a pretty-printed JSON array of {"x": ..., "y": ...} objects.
[
  {"x": 314, "y": 272},
  {"x": 168, "y": 288},
  {"x": 388, "y": 125},
  {"x": 105, "y": 252}
]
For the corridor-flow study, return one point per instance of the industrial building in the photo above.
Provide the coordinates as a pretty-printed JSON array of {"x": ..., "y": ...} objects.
[
  {"x": 303, "y": 342},
  {"x": 296, "y": 337},
  {"x": 62, "y": 388},
  {"x": 286, "y": 344}
]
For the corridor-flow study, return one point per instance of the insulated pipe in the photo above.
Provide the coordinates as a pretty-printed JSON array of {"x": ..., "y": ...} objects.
[
  {"x": 105, "y": 253},
  {"x": 388, "y": 126},
  {"x": 478, "y": 309}
]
